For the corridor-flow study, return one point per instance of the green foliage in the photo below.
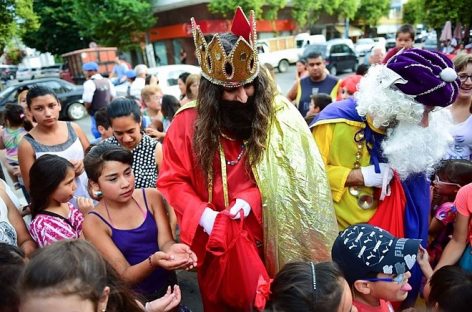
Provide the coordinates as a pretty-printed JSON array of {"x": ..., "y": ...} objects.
[
  {"x": 413, "y": 12},
  {"x": 118, "y": 23},
  {"x": 59, "y": 33},
  {"x": 435, "y": 13},
  {"x": 307, "y": 12},
  {"x": 16, "y": 18},
  {"x": 370, "y": 11},
  {"x": 349, "y": 8},
  {"x": 438, "y": 12},
  {"x": 13, "y": 54},
  {"x": 68, "y": 25},
  {"x": 227, "y": 7}
]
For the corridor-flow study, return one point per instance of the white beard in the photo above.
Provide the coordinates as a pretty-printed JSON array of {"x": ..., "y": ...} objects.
[{"x": 411, "y": 148}]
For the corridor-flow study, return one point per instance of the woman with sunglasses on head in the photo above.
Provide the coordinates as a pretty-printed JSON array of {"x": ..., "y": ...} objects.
[{"x": 460, "y": 110}]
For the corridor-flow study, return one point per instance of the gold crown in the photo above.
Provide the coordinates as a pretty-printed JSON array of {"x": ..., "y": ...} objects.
[{"x": 237, "y": 68}]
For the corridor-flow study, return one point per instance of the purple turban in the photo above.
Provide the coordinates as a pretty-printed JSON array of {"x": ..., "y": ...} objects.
[{"x": 430, "y": 76}]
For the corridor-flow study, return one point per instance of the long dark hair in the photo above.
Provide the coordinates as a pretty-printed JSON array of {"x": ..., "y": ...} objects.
[
  {"x": 170, "y": 105},
  {"x": 293, "y": 288},
  {"x": 47, "y": 172},
  {"x": 74, "y": 267},
  {"x": 15, "y": 115},
  {"x": 207, "y": 124}
]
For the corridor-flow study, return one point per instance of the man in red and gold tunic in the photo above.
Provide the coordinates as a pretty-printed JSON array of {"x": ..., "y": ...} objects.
[{"x": 243, "y": 147}]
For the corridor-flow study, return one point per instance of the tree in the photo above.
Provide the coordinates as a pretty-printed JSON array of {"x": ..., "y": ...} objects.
[
  {"x": 413, "y": 12},
  {"x": 16, "y": 17},
  {"x": 120, "y": 23},
  {"x": 227, "y": 7},
  {"x": 370, "y": 11},
  {"x": 307, "y": 12},
  {"x": 59, "y": 33}
]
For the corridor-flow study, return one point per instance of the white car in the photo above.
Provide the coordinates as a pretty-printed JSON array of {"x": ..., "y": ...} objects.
[
  {"x": 364, "y": 45},
  {"x": 27, "y": 73},
  {"x": 167, "y": 75}
]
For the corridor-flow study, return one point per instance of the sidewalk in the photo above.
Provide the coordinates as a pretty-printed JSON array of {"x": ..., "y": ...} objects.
[{"x": 190, "y": 292}]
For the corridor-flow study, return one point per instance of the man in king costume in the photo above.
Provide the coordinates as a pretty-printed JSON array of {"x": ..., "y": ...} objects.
[
  {"x": 380, "y": 146},
  {"x": 242, "y": 147}
]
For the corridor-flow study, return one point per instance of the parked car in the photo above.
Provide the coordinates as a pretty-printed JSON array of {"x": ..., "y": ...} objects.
[
  {"x": 338, "y": 54},
  {"x": 364, "y": 45},
  {"x": 431, "y": 44},
  {"x": 280, "y": 59},
  {"x": 380, "y": 41},
  {"x": 68, "y": 94},
  {"x": 27, "y": 73},
  {"x": 304, "y": 39},
  {"x": 167, "y": 76},
  {"x": 8, "y": 72},
  {"x": 49, "y": 71},
  {"x": 390, "y": 43}
]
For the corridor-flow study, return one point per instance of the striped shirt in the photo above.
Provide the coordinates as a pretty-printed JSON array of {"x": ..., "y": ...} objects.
[{"x": 47, "y": 229}]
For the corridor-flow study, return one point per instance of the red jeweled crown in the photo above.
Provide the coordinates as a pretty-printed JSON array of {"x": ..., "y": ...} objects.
[{"x": 237, "y": 68}]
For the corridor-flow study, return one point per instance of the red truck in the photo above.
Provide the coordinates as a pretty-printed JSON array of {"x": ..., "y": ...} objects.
[{"x": 73, "y": 61}]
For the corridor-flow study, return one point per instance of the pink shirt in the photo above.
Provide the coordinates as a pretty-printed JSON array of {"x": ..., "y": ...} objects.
[
  {"x": 384, "y": 306},
  {"x": 463, "y": 204},
  {"x": 47, "y": 229}
]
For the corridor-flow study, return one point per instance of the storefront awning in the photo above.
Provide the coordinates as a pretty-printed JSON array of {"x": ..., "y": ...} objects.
[{"x": 353, "y": 31}]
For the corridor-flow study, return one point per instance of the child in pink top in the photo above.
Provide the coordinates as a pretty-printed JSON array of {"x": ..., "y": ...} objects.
[
  {"x": 52, "y": 185},
  {"x": 462, "y": 236}
]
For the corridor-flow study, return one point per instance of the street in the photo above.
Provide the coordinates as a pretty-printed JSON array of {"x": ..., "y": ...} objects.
[{"x": 284, "y": 80}]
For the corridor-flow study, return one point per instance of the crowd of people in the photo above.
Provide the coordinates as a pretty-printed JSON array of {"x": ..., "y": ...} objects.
[{"x": 346, "y": 195}]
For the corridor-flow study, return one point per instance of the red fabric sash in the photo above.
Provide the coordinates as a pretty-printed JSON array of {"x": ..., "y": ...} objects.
[{"x": 390, "y": 214}]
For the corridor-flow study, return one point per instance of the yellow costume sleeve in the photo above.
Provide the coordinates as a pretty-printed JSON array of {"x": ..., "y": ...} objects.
[
  {"x": 299, "y": 92},
  {"x": 334, "y": 92},
  {"x": 337, "y": 175}
]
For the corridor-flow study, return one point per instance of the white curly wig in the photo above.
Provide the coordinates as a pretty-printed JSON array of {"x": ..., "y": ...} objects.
[{"x": 379, "y": 98}]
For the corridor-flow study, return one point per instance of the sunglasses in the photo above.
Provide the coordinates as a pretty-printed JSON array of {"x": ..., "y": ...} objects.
[
  {"x": 438, "y": 182},
  {"x": 399, "y": 279}
]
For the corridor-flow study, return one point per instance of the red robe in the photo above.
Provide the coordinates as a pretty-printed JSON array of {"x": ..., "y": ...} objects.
[{"x": 184, "y": 185}]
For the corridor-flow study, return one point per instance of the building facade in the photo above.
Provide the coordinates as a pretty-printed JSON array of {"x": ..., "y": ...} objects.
[{"x": 171, "y": 38}]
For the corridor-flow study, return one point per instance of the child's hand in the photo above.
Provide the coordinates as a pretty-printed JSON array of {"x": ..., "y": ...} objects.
[
  {"x": 167, "y": 261},
  {"x": 84, "y": 204},
  {"x": 166, "y": 303},
  {"x": 423, "y": 261},
  {"x": 153, "y": 133},
  {"x": 183, "y": 252},
  {"x": 78, "y": 166}
]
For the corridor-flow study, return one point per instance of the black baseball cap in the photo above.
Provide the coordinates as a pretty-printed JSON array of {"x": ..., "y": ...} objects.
[{"x": 364, "y": 249}]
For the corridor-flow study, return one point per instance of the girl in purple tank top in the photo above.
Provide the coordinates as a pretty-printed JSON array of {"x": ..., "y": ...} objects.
[{"x": 130, "y": 227}]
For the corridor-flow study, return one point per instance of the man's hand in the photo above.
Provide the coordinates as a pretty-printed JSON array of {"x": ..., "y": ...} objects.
[
  {"x": 207, "y": 220},
  {"x": 374, "y": 179},
  {"x": 239, "y": 205}
]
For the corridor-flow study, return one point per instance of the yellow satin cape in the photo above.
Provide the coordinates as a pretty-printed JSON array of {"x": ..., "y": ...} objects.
[{"x": 299, "y": 218}]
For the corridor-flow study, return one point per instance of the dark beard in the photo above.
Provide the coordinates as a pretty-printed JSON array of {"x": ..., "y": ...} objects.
[{"x": 236, "y": 118}]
